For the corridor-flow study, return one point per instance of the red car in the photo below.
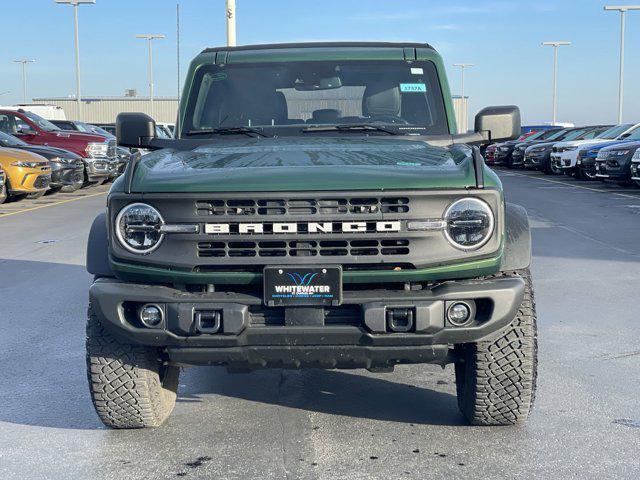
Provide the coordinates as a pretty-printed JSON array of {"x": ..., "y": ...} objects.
[
  {"x": 489, "y": 153},
  {"x": 96, "y": 150}
]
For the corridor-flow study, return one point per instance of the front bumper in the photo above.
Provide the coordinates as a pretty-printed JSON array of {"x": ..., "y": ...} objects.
[
  {"x": 635, "y": 171},
  {"x": 98, "y": 168},
  {"x": 63, "y": 175},
  {"x": 353, "y": 335},
  {"x": 619, "y": 173}
]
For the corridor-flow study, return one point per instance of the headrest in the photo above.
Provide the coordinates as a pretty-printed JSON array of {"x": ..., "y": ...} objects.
[
  {"x": 381, "y": 100},
  {"x": 325, "y": 115}
]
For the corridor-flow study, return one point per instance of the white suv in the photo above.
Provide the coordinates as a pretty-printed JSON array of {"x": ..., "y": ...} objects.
[{"x": 565, "y": 154}]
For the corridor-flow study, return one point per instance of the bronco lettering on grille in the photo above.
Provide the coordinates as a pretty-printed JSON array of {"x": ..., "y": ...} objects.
[{"x": 302, "y": 227}]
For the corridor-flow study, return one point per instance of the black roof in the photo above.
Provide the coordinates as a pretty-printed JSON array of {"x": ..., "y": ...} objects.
[{"x": 271, "y": 46}]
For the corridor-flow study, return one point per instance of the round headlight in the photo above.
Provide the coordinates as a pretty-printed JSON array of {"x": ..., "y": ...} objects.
[
  {"x": 469, "y": 223},
  {"x": 138, "y": 228}
]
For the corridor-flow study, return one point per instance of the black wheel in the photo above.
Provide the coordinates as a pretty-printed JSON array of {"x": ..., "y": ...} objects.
[
  {"x": 635, "y": 182},
  {"x": 130, "y": 385},
  {"x": 36, "y": 195},
  {"x": 53, "y": 190},
  {"x": 496, "y": 379}
]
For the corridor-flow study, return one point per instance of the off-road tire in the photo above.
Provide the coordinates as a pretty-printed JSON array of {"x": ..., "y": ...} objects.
[
  {"x": 130, "y": 385},
  {"x": 496, "y": 379}
]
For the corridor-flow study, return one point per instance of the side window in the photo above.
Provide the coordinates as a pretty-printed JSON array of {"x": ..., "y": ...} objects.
[
  {"x": 20, "y": 124},
  {"x": 6, "y": 124}
]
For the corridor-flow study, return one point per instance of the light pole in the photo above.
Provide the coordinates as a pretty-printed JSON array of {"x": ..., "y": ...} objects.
[
  {"x": 555, "y": 46},
  {"x": 75, "y": 4},
  {"x": 623, "y": 10},
  {"x": 231, "y": 23},
  {"x": 462, "y": 66},
  {"x": 24, "y": 77},
  {"x": 150, "y": 38}
]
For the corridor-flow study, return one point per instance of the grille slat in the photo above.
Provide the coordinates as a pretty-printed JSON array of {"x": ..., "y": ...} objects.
[
  {"x": 302, "y": 206},
  {"x": 304, "y": 248}
]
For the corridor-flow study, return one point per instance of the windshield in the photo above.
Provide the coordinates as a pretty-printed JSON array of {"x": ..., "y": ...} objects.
[
  {"x": 7, "y": 140},
  {"x": 284, "y": 98},
  {"x": 535, "y": 136},
  {"x": 576, "y": 134},
  {"x": 633, "y": 135},
  {"x": 615, "y": 131},
  {"x": 558, "y": 135},
  {"x": 45, "y": 125}
]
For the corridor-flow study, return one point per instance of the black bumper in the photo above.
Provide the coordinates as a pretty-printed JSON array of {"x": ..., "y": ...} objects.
[
  {"x": 353, "y": 335},
  {"x": 63, "y": 175}
]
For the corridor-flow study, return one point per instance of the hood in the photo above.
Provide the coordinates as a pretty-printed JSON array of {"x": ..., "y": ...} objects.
[
  {"x": 542, "y": 144},
  {"x": 631, "y": 145},
  {"x": 608, "y": 143},
  {"x": 79, "y": 136},
  {"x": 578, "y": 143},
  {"x": 50, "y": 152},
  {"x": 11, "y": 155},
  {"x": 296, "y": 164}
]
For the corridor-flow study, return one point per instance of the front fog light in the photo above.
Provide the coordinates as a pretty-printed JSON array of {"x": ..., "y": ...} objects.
[
  {"x": 138, "y": 228},
  {"x": 458, "y": 314},
  {"x": 150, "y": 316},
  {"x": 469, "y": 223}
]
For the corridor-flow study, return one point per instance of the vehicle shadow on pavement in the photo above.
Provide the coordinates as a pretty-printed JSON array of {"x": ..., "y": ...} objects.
[
  {"x": 43, "y": 380},
  {"x": 356, "y": 393}
]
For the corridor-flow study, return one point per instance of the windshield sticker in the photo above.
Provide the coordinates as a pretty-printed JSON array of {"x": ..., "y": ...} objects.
[
  {"x": 413, "y": 87},
  {"x": 417, "y": 71}
]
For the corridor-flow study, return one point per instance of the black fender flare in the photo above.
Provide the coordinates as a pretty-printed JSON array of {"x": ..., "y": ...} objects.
[
  {"x": 98, "y": 248},
  {"x": 517, "y": 242}
]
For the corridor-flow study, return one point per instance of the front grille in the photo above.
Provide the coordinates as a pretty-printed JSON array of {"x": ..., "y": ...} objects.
[
  {"x": 42, "y": 181},
  {"x": 304, "y": 248},
  {"x": 302, "y": 206}
]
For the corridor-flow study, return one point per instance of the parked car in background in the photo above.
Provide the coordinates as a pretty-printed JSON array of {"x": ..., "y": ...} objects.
[
  {"x": 27, "y": 174},
  {"x": 565, "y": 154},
  {"x": 95, "y": 150},
  {"x": 50, "y": 112},
  {"x": 3, "y": 186},
  {"x": 538, "y": 156},
  {"x": 635, "y": 168},
  {"x": 588, "y": 154},
  {"x": 67, "y": 168},
  {"x": 168, "y": 128},
  {"x": 613, "y": 163},
  {"x": 517, "y": 155},
  {"x": 489, "y": 154},
  {"x": 502, "y": 155}
]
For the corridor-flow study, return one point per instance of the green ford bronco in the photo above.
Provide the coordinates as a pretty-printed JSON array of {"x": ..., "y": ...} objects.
[{"x": 316, "y": 209}]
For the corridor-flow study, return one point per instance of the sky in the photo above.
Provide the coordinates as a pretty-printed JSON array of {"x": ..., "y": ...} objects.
[{"x": 501, "y": 37}]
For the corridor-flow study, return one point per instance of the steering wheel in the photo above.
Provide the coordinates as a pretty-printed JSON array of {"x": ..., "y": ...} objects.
[{"x": 389, "y": 119}]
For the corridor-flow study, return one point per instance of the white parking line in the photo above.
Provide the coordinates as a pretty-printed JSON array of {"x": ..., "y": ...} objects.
[{"x": 549, "y": 180}]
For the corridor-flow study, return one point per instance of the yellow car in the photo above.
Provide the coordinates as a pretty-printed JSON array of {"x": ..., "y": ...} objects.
[{"x": 26, "y": 173}]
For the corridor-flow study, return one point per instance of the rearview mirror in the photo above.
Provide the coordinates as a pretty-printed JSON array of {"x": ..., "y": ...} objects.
[
  {"x": 498, "y": 123},
  {"x": 135, "y": 130}
]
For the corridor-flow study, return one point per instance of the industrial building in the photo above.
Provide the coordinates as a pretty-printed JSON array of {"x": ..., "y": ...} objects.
[
  {"x": 164, "y": 109},
  {"x": 106, "y": 109}
]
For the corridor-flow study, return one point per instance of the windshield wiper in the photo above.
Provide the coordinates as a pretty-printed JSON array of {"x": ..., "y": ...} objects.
[
  {"x": 251, "y": 132},
  {"x": 358, "y": 127}
]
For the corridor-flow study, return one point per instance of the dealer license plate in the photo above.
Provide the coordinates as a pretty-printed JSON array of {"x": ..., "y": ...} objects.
[{"x": 302, "y": 286}]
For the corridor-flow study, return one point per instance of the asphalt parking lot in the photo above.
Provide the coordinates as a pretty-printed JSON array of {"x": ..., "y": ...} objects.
[{"x": 335, "y": 424}]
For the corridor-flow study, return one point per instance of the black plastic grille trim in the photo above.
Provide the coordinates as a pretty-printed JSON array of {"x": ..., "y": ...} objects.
[
  {"x": 304, "y": 248},
  {"x": 302, "y": 206}
]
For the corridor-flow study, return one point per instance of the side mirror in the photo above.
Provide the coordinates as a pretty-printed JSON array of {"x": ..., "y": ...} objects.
[
  {"x": 135, "y": 130},
  {"x": 498, "y": 123}
]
